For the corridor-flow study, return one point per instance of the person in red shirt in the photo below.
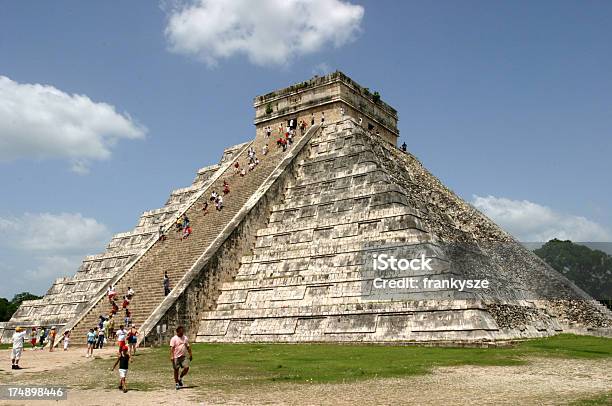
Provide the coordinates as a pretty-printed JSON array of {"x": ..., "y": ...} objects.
[
  {"x": 115, "y": 308},
  {"x": 111, "y": 293},
  {"x": 186, "y": 232},
  {"x": 132, "y": 339}
]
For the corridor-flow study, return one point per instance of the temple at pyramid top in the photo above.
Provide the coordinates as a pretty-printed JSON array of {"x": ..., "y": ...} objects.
[{"x": 330, "y": 96}]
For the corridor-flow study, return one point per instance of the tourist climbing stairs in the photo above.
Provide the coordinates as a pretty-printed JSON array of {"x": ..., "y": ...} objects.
[{"x": 176, "y": 255}]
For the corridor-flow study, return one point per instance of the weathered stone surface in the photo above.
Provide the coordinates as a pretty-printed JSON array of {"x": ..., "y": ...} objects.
[{"x": 348, "y": 195}]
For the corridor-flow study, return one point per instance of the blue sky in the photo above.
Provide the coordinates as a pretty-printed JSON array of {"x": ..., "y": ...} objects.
[{"x": 509, "y": 103}]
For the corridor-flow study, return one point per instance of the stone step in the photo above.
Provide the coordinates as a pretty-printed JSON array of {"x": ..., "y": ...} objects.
[{"x": 175, "y": 255}]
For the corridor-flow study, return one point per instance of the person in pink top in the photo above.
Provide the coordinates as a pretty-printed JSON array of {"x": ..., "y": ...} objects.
[{"x": 179, "y": 347}]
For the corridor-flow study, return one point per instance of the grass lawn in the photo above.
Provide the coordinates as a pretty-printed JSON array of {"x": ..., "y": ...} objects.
[
  {"x": 341, "y": 363},
  {"x": 225, "y": 366},
  {"x": 601, "y": 400}
]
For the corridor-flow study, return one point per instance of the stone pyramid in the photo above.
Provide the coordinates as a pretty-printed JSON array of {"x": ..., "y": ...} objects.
[
  {"x": 291, "y": 257},
  {"x": 350, "y": 195}
]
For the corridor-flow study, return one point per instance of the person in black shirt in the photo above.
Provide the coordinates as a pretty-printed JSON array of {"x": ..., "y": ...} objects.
[
  {"x": 123, "y": 360},
  {"x": 166, "y": 284}
]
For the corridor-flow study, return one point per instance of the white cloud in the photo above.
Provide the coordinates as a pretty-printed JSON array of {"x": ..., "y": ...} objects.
[
  {"x": 42, "y": 122},
  {"x": 34, "y": 274},
  {"x": 52, "y": 267},
  {"x": 529, "y": 221},
  {"x": 43, "y": 233},
  {"x": 42, "y": 247},
  {"x": 266, "y": 31},
  {"x": 35, "y": 249}
]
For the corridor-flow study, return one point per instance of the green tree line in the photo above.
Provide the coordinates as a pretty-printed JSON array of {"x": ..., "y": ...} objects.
[
  {"x": 8, "y": 307},
  {"x": 589, "y": 269}
]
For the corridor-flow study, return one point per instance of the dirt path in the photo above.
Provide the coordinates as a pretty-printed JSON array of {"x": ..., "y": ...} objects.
[
  {"x": 542, "y": 381},
  {"x": 45, "y": 361},
  {"x": 60, "y": 362}
]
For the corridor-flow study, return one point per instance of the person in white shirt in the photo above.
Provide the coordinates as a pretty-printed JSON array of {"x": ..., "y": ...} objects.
[
  {"x": 66, "y": 339},
  {"x": 121, "y": 336},
  {"x": 18, "y": 340},
  {"x": 111, "y": 293}
]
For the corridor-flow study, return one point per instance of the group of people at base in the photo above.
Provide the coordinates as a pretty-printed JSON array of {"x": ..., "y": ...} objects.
[
  {"x": 180, "y": 352},
  {"x": 97, "y": 337},
  {"x": 39, "y": 337}
]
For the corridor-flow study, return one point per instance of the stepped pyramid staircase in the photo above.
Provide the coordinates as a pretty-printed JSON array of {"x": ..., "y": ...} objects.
[
  {"x": 176, "y": 256},
  {"x": 69, "y": 296}
]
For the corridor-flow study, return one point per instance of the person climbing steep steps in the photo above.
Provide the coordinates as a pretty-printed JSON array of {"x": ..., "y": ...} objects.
[{"x": 173, "y": 258}]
